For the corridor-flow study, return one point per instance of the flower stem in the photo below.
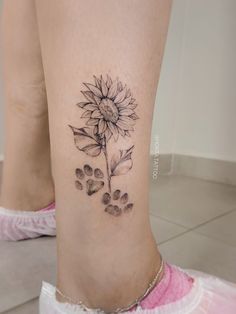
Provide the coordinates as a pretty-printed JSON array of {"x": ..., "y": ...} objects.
[{"x": 107, "y": 164}]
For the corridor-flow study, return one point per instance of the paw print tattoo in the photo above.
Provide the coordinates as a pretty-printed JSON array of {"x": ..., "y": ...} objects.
[
  {"x": 114, "y": 201},
  {"x": 92, "y": 185}
]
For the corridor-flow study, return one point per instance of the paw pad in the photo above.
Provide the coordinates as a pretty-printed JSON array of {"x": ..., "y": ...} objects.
[
  {"x": 116, "y": 203},
  {"x": 93, "y": 183}
]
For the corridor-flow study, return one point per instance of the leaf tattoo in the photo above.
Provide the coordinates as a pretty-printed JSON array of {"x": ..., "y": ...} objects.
[
  {"x": 86, "y": 141},
  {"x": 121, "y": 162},
  {"x": 109, "y": 108}
]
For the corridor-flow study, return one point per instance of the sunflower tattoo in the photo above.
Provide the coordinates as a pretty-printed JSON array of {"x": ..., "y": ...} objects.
[{"x": 109, "y": 110}]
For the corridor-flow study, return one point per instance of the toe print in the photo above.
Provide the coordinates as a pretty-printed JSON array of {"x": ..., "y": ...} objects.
[
  {"x": 116, "y": 203},
  {"x": 124, "y": 198},
  {"x": 78, "y": 185},
  {"x": 92, "y": 185},
  {"x": 79, "y": 173},
  {"x": 98, "y": 173},
  {"x": 106, "y": 198},
  {"x": 116, "y": 195},
  {"x": 88, "y": 170},
  {"x": 113, "y": 210}
]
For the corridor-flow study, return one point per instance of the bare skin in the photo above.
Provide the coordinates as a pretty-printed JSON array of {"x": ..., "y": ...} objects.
[
  {"x": 27, "y": 181},
  {"x": 100, "y": 253}
]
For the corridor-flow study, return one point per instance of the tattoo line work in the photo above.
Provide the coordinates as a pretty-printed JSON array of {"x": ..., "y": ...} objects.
[
  {"x": 92, "y": 186},
  {"x": 109, "y": 110},
  {"x": 113, "y": 208}
]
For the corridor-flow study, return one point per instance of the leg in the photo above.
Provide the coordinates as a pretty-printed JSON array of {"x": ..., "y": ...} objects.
[
  {"x": 102, "y": 246},
  {"x": 27, "y": 181}
]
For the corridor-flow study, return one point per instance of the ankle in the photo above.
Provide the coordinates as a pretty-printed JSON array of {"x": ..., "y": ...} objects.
[
  {"x": 114, "y": 280},
  {"x": 29, "y": 195}
]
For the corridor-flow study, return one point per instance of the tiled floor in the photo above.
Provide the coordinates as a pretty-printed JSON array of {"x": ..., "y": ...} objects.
[{"x": 193, "y": 222}]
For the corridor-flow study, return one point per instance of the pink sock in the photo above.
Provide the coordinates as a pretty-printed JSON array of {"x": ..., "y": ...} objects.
[
  {"x": 50, "y": 206},
  {"x": 174, "y": 285},
  {"x": 18, "y": 225}
]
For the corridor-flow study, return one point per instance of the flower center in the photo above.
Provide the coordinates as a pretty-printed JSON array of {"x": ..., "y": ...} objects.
[{"x": 109, "y": 110}]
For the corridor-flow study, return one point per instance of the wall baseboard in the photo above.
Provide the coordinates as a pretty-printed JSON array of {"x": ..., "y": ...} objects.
[
  {"x": 220, "y": 171},
  {"x": 161, "y": 164}
]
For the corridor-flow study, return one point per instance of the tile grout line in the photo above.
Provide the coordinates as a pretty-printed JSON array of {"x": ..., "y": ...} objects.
[
  {"x": 197, "y": 226},
  {"x": 200, "y": 225},
  {"x": 19, "y": 305},
  {"x": 167, "y": 220},
  {"x": 213, "y": 219}
]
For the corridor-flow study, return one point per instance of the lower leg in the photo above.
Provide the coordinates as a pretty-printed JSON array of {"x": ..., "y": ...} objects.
[
  {"x": 27, "y": 181},
  {"x": 106, "y": 251}
]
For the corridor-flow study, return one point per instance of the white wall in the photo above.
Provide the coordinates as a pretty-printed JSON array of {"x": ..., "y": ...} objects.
[
  {"x": 168, "y": 88},
  {"x": 196, "y": 99},
  {"x": 195, "y": 111}
]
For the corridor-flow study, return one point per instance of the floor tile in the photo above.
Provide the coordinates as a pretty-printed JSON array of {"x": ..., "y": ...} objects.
[
  {"x": 164, "y": 230},
  {"x": 177, "y": 204},
  {"x": 23, "y": 266},
  {"x": 189, "y": 201},
  {"x": 30, "y": 307},
  {"x": 195, "y": 251},
  {"x": 223, "y": 228}
]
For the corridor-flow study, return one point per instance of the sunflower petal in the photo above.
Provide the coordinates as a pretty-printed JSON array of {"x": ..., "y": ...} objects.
[
  {"x": 92, "y": 122},
  {"x": 119, "y": 86},
  {"x": 123, "y": 125},
  {"x": 109, "y": 81},
  {"x": 112, "y": 90},
  {"x": 104, "y": 88},
  {"x": 132, "y": 106},
  {"x": 128, "y": 94},
  {"x": 124, "y": 103},
  {"x": 90, "y": 107},
  {"x": 82, "y": 104},
  {"x": 102, "y": 126},
  {"x": 86, "y": 114},
  {"x": 97, "y": 82},
  {"x": 134, "y": 116},
  {"x": 97, "y": 100},
  {"x": 95, "y": 130},
  {"x": 126, "y": 112},
  {"x": 127, "y": 120},
  {"x": 121, "y": 131},
  {"x": 120, "y": 96},
  {"x": 108, "y": 134},
  {"x": 89, "y": 95},
  {"x": 96, "y": 114},
  {"x": 114, "y": 130},
  {"x": 96, "y": 91}
]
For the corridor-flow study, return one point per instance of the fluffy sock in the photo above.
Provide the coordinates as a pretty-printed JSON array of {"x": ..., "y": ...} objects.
[{"x": 21, "y": 225}]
